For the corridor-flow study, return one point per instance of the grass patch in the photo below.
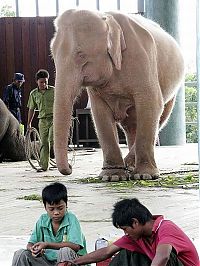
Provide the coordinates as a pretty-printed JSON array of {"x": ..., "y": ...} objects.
[
  {"x": 90, "y": 180},
  {"x": 185, "y": 181},
  {"x": 171, "y": 181},
  {"x": 31, "y": 197}
]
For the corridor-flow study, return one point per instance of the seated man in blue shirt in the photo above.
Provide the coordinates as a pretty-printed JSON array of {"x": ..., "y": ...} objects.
[{"x": 57, "y": 235}]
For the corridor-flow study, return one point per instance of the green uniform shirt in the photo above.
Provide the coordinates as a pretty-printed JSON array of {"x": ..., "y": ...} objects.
[
  {"x": 42, "y": 101},
  {"x": 69, "y": 231}
]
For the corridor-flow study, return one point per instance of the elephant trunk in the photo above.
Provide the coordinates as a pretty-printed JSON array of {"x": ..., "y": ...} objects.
[{"x": 62, "y": 121}]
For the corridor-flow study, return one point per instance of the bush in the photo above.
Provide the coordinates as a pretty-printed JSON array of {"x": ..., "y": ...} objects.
[
  {"x": 191, "y": 77},
  {"x": 191, "y": 110}
]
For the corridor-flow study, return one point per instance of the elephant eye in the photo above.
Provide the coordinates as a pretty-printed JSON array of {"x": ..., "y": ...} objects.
[
  {"x": 80, "y": 54},
  {"x": 80, "y": 57}
]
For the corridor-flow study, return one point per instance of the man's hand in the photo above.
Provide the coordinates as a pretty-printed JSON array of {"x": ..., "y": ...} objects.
[
  {"x": 38, "y": 249},
  {"x": 31, "y": 113}
]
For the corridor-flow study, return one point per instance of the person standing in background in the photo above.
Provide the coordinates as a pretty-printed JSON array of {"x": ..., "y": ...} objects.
[
  {"x": 42, "y": 99},
  {"x": 12, "y": 96}
]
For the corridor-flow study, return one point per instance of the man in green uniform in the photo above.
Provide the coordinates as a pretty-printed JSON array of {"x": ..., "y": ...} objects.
[{"x": 42, "y": 98}]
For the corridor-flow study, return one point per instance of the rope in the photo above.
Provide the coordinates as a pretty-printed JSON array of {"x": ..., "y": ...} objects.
[{"x": 32, "y": 147}]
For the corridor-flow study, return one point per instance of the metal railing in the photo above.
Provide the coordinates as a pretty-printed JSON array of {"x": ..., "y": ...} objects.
[{"x": 118, "y": 5}]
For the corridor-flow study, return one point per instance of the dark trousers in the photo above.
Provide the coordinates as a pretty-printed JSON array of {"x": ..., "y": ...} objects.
[
  {"x": 128, "y": 258},
  {"x": 17, "y": 114}
]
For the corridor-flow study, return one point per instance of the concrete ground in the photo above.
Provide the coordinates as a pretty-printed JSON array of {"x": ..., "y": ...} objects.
[{"x": 92, "y": 203}]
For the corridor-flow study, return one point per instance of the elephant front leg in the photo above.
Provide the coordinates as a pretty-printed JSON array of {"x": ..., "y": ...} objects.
[
  {"x": 113, "y": 166},
  {"x": 148, "y": 117},
  {"x": 129, "y": 127}
]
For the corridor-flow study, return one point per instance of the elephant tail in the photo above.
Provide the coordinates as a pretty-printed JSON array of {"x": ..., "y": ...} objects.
[{"x": 166, "y": 112}]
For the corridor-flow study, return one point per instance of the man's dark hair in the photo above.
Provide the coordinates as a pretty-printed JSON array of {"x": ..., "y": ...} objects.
[
  {"x": 54, "y": 193},
  {"x": 42, "y": 73},
  {"x": 127, "y": 209}
]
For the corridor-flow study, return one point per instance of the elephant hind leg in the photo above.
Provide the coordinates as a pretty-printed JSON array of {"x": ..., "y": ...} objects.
[
  {"x": 129, "y": 127},
  {"x": 166, "y": 112}
]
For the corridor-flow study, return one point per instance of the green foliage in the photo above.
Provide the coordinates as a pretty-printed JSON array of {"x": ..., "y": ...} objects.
[
  {"x": 31, "y": 197},
  {"x": 171, "y": 181},
  {"x": 7, "y": 11},
  {"x": 190, "y": 94},
  {"x": 90, "y": 180},
  {"x": 191, "y": 110},
  {"x": 177, "y": 180},
  {"x": 190, "y": 77},
  {"x": 192, "y": 133}
]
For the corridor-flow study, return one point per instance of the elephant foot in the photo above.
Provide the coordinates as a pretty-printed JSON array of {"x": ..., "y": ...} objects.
[
  {"x": 114, "y": 174},
  {"x": 129, "y": 161},
  {"x": 144, "y": 177},
  {"x": 144, "y": 174}
]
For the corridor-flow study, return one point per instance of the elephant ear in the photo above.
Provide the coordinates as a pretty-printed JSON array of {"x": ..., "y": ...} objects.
[{"x": 116, "y": 41}]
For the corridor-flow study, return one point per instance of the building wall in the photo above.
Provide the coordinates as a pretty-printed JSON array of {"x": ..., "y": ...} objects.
[{"x": 25, "y": 47}]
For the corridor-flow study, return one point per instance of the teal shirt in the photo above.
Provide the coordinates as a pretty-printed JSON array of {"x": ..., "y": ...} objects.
[
  {"x": 42, "y": 101},
  {"x": 69, "y": 231}
]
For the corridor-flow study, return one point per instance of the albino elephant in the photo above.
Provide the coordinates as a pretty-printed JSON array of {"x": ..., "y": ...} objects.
[
  {"x": 132, "y": 69},
  {"x": 12, "y": 142}
]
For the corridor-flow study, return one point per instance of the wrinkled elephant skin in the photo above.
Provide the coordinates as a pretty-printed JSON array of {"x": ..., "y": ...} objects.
[
  {"x": 12, "y": 144},
  {"x": 132, "y": 70}
]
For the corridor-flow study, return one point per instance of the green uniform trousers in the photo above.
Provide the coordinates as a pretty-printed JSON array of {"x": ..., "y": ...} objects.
[{"x": 46, "y": 135}]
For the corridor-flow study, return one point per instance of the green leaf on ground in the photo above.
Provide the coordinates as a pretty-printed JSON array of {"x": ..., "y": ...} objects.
[
  {"x": 185, "y": 180},
  {"x": 31, "y": 197}
]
